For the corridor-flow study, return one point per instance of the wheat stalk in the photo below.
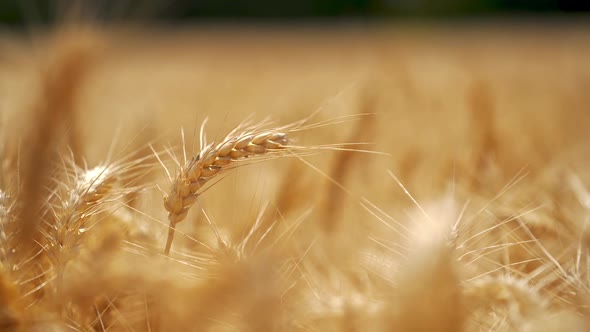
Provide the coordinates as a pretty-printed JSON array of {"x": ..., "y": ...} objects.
[{"x": 214, "y": 158}]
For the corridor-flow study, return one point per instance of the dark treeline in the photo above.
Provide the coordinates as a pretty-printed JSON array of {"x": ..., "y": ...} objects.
[{"x": 23, "y": 11}]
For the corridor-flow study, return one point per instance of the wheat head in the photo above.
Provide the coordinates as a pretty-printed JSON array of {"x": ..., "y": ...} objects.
[{"x": 214, "y": 158}]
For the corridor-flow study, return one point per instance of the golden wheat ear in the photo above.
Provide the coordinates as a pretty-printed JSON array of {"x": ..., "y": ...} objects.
[
  {"x": 429, "y": 285},
  {"x": 87, "y": 192},
  {"x": 244, "y": 143}
]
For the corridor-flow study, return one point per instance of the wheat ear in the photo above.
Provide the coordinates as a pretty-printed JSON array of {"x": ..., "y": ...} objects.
[{"x": 213, "y": 159}]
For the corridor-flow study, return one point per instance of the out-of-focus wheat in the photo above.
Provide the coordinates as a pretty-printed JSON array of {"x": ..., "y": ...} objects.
[{"x": 79, "y": 244}]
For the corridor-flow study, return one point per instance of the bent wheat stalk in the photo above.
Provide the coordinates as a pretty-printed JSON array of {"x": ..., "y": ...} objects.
[{"x": 214, "y": 158}]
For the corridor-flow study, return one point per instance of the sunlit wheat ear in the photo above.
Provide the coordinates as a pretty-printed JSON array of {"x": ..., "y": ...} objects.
[
  {"x": 89, "y": 189},
  {"x": 241, "y": 144},
  {"x": 429, "y": 286},
  {"x": 85, "y": 194}
]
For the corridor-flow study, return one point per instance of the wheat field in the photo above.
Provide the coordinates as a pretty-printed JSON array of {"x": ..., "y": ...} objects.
[{"x": 393, "y": 177}]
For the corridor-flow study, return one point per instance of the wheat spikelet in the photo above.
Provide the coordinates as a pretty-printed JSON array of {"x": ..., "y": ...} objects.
[
  {"x": 89, "y": 189},
  {"x": 213, "y": 159},
  {"x": 77, "y": 214},
  {"x": 87, "y": 193},
  {"x": 72, "y": 208}
]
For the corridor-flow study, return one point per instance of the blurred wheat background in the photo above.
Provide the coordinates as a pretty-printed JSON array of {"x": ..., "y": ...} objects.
[{"x": 439, "y": 182}]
